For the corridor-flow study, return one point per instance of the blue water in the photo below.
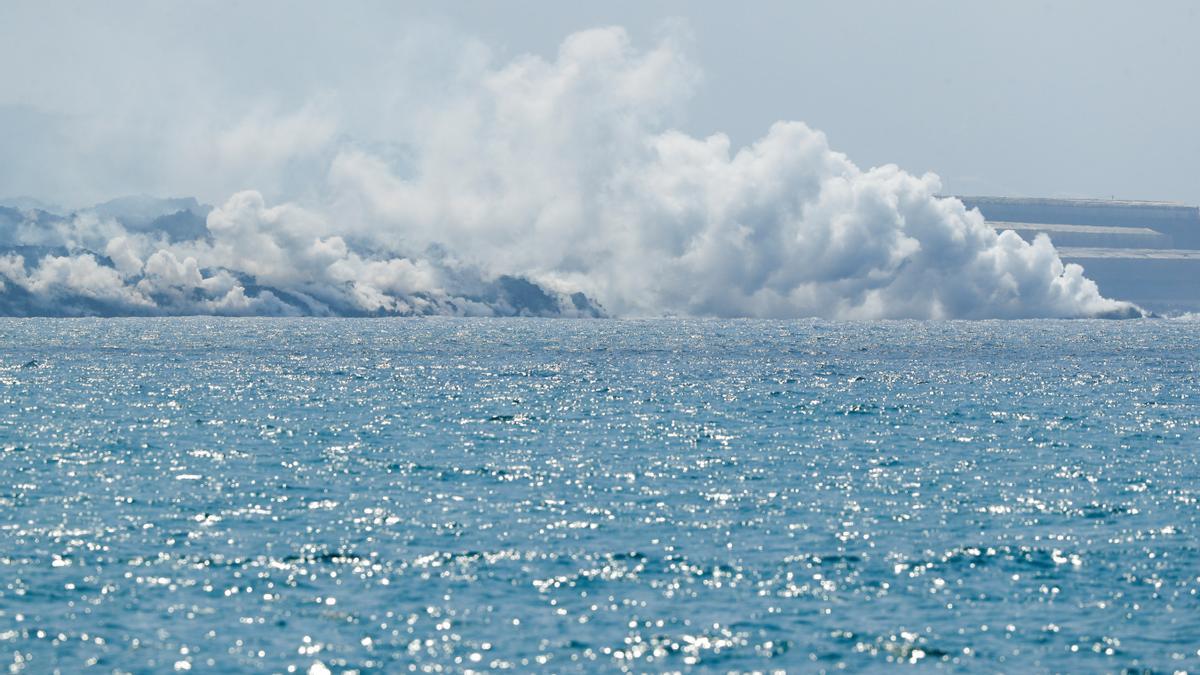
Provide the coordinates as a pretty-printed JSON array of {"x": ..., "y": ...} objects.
[{"x": 388, "y": 495}]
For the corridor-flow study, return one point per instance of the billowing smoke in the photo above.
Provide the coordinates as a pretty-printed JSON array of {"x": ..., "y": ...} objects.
[{"x": 553, "y": 188}]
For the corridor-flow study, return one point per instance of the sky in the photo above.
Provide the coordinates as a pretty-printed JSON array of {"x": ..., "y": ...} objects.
[{"x": 1088, "y": 98}]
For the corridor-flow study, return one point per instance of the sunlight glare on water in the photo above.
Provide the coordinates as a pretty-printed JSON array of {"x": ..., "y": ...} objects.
[{"x": 320, "y": 495}]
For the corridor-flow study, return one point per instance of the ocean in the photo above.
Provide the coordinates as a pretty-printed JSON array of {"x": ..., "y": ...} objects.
[{"x": 432, "y": 495}]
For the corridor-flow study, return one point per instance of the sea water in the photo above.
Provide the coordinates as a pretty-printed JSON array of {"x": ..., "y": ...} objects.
[{"x": 226, "y": 495}]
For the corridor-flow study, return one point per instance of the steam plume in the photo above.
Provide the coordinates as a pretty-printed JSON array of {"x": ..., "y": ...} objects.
[{"x": 556, "y": 187}]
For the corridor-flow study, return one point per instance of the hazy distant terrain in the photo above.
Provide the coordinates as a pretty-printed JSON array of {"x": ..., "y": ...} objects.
[{"x": 81, "y": 268}]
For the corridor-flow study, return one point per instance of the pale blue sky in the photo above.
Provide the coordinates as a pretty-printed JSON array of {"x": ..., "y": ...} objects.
[{"x": 1017, "y": 98}]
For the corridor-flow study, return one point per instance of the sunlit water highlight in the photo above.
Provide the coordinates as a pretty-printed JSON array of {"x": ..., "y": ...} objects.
[{"x": 384, "y": 495}]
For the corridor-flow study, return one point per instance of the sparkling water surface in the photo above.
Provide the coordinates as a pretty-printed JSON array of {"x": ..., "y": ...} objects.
[{"x": 224, "y": 495}]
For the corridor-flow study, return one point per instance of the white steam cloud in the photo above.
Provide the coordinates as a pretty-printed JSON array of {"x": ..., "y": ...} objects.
[{"x": 552, "y": 188}]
